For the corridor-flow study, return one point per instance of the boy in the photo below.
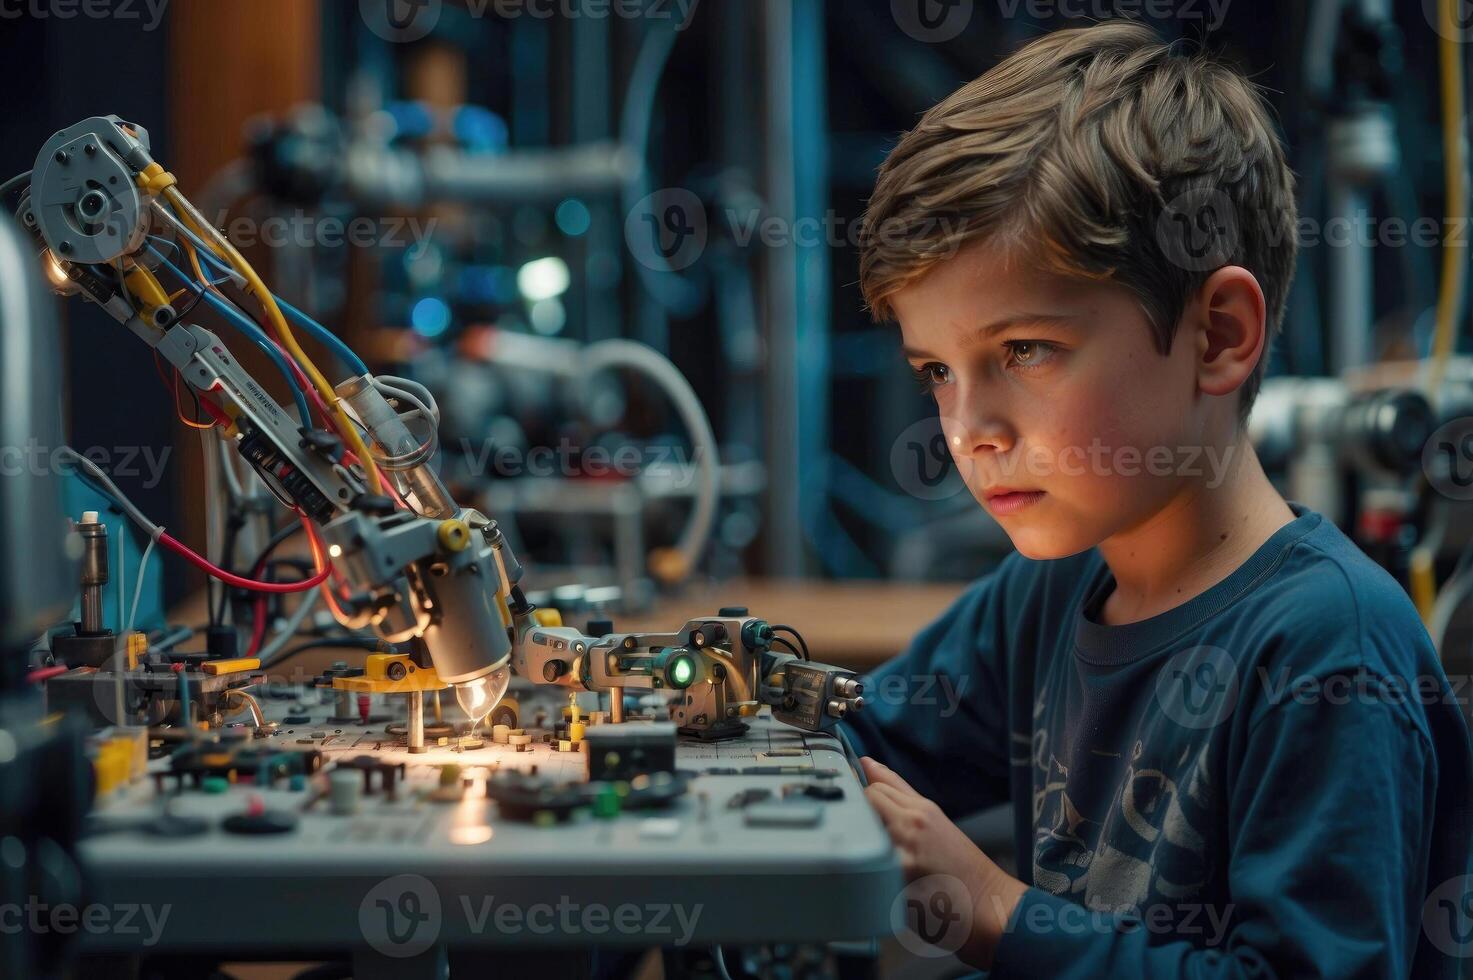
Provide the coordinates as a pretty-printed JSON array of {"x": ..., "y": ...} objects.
[{"x": 1227, "y": 741}]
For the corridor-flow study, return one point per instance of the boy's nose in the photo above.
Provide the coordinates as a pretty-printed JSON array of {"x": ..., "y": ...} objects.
[{"x": 978, "y": 436}]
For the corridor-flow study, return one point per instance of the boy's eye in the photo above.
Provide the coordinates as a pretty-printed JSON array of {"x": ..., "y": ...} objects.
[
  {"x": 1029, "y": 353},
  {"x": 930, "y": 376}
]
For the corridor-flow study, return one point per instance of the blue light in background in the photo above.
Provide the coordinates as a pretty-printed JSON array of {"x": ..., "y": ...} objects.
[
  {"x": 430, "y": 317},
  {"x": 573, "y": 218}
]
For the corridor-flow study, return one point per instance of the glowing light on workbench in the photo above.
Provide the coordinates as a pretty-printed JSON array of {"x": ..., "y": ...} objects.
[
  {"x": 335, "y": 551},
  {"x": 471, "y": 834}
]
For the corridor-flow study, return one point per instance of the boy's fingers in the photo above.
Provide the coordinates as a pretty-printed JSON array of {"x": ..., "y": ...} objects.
[
  {"x": 888, "y": 799},
  {"x": 877, "y": 772}
]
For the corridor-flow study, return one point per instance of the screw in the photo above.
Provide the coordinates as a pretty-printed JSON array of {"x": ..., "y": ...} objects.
[
  {"x": 62, "y": 158},
  {"x": 65, "y": 248},
  {"x": 90, "y": 148}
]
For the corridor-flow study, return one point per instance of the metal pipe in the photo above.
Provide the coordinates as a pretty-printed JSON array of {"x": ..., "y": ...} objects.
[
  {"x": 390, "y": 432},
  {"x": 415, "y": 729},
  {"x": 94, "y": 572}
]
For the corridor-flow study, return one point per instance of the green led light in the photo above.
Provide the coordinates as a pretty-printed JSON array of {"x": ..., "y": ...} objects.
[{"x": 681, "y": 672}]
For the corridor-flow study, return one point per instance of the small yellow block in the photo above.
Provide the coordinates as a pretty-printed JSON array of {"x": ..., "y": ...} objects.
[{"x": 231, "y": 666}]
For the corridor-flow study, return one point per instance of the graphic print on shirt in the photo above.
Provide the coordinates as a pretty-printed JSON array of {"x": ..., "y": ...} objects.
[{"x": 1144, "y": 848}]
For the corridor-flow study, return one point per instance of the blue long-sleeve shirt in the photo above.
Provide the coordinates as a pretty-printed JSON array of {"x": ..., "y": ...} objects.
[{"x": 1271, "y": 780}]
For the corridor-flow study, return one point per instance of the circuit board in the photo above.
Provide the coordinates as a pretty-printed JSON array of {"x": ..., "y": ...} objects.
[{"x": 762, "y": 837}]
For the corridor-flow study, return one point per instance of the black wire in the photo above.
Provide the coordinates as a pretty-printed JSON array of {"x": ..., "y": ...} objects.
[
  {"x": 788, "y": 643},
  {"x": 10, "y": 185},
  {"x": 796, "y": 635},
  {"x": 326, "y": 643},
  {"x": 232, "y": 531},
  {"x": 304, "y": 569},
  {"x": 275, "y": 541}
]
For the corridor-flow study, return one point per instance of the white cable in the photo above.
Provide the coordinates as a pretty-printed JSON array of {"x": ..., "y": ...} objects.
[
  {"x": 406, "y": 398},
  {"x": 417, "y": 394},
  {"x": 138, "y": 586},
  {"x": 719, "y": 958},
  {"x": 630, "y": 354}
]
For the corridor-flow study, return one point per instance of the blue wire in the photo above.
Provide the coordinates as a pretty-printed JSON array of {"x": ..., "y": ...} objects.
[
  {"x": 344, "y": 353},
  {"x": 341, "y": 350},
  {"x": 250, "y": 329}
]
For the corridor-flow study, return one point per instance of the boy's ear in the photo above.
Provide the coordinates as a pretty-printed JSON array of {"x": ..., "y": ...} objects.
[{"x": 1229, "y": 315}]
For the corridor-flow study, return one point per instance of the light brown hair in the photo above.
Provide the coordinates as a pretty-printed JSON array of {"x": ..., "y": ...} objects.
[{"x": 1098, "y": 153}]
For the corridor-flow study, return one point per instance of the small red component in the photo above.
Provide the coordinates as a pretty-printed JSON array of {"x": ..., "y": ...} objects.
[{"x": 363, "y": 706}]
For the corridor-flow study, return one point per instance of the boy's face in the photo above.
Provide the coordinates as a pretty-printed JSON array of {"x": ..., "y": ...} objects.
[{"x": 1053, "y": 389}]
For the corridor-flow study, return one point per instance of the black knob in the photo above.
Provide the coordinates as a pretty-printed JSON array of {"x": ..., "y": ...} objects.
[
  {"x": 732, "y": 612},
  {"x": 553, "y": 669},
  {"x": 375, "y": 504},
  {"x": 323, "y": 442}
]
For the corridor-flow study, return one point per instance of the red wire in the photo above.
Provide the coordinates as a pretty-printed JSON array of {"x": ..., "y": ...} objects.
[
  {"x": 46, "y": 673},
  {"x": 204, "y": 564}
]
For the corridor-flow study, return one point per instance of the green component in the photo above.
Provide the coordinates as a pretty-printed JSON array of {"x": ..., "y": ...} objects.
[
  {"x": 677, "y": 666},
  {"x": 606, "y": 804},
  {"x": 214, "y": 784}
]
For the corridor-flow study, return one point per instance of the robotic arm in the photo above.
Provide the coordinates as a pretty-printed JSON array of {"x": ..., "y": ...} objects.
[{"x": 408, "y": 561}]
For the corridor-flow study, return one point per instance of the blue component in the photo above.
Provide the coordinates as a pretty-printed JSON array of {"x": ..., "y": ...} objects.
[
  {"x": 334, "y": 343},
  {"x": 412, "y": 120},
  {"x": 250, "y": 329},
  {"x": 79, "y": 496},
  {"x": 298, "y": 782},
  {"x": 573, "y": 218},
  {"x": 430, "y": 316},
  {"x": 478, "y": 284},
  {"x": 479, "y": 129}
]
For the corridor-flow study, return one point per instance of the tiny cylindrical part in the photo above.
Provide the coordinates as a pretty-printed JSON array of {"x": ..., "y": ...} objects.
[
  {"x": 390, "y": 432},
  {"x": 616, "y": 705},
  {"x": 345, "y": 787},
  {"x": 837, "y": 708},
  {"x": 848, "y": 687},
  {"x": 94, "y": 571},
  {"x": 415, "y": 730}
]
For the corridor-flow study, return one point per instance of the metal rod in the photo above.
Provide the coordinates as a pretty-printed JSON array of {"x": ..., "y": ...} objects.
[{"x": 415, "y": 730}]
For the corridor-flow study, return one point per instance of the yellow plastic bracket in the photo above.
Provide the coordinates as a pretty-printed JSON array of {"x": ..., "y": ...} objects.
[{"x": 379, "y": 672}]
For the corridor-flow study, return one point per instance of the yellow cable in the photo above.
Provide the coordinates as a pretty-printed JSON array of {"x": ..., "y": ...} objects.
[
  {"x": 1454, "y": 267},
  {"x": 288, "y": 340},
  {"x": 1422, "y": 574}
]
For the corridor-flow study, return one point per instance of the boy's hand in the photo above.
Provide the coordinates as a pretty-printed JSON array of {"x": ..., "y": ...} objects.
[{"x": 929, "y": 844}]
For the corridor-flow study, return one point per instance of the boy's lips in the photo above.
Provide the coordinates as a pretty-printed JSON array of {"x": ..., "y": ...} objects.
[{"x": 1002, "y": 501}]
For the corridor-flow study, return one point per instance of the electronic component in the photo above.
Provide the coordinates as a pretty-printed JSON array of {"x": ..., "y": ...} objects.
[{"x": 622, "y": 752}]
